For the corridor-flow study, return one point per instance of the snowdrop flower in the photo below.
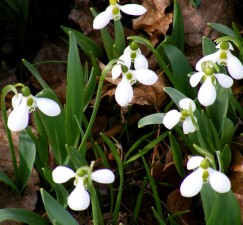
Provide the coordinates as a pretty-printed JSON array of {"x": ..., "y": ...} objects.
[
  {"x": 186, "y": 116},
  {"x": 207, "y": 92},
  {"x": 79, "y": 198},
  {"x": 25, "y": 103},
  {"x": 224, "y": 57},
  {"x": 131, "y": 56},
  {"x": 193, "y": 183},
  {"x": 112, "y": 12},
  {"x": 124, "y": 91}
]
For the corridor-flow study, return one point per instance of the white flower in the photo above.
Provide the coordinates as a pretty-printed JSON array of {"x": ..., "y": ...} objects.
[
  {"x": 193, "y": 183},
  {"x": 224, "y": 57},
  {"x": 79, "y": 198},
  {"x": 25, "y": 103},
  {"x": 207, "y": 92},
  {"x": 173, "y": 117},
  {"x": 113, "y": 12},
  {"x": 124, "y": 91}
]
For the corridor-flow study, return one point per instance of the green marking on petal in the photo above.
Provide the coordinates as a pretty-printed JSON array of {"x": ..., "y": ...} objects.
[
  {"x": 208, "y": 70},
  {"x": 30, "y": 102},
  {"x": 133, "y": 55},
  {"x": 115, "y": 10},
  {"x": 129, "y": 76},
  {"x": 205, "y": 175},
  {"x": 223, "y": 55},
  {"x": 184, "y": 113}
]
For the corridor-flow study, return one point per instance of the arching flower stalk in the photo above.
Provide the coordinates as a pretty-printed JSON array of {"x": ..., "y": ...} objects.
[
  {"x": 25, "y": 103},
  {"x": 203, "y": 173},
  {"x": 186, "y": 116},
  {"x": 224, "y": 57},
  {"x": 79, "y": 198},
  {"x": 207, "y": 92},
  {"x": 112, "y": 12}
]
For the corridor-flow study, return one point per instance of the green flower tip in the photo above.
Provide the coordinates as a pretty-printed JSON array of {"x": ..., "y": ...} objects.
[
  {"x": 113, "y": 2},
  {"x": 205, "y": 164},
  {"x": 129, "y": 76},
  {"x": 25, "y": 91},
  {"x": 208, "y": 70},
  {"x": 134, "y": 46},
  {"x": 224, "y": 45}
]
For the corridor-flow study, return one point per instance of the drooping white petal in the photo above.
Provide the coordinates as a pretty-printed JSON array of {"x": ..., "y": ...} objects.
[
  {"x": 103, "y": 176},
  {"x": 102, "y": 19},
  {"x": 195, "y": 78},
  {"x": 235, "y": 67},
  {"x": 126, "y": 59},
  {"x": 48, "y": 106},
  {"x": 224, "y": 80},
  {"x": 18, "y": 119},
  {"x": 116, "y": 71},
  {"x": 219, "y": 181},
  {"x": 192, "y": 184},
  {"x": 133, "y": 9},
  {"x": 194, "y": 162},
  {"x": 186, "y": 103},
  {"x": 207, "y": 93},
  {"x": 188, "y": 126},
  {"x": 62, "y": 174},
  {"x": 171, "y": 118},
  {"x": 140, "y": 62},
  {"x": 16, "y": 100},
  {"x": 124, "y": 93},
  {"x": 147, "y": 77},
  {"x": 79, "y": 198},
  {"x": 212, "y": 57}
]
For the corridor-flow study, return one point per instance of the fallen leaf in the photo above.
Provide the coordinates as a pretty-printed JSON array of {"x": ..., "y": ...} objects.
[{"x": 155, "y": 22}]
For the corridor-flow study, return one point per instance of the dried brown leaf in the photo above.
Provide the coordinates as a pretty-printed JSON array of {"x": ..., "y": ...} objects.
[{"x": 155, "y": 22}]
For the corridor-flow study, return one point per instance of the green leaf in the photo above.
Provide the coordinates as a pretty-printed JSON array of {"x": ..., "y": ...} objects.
[
  {"x": 148, "y": 147},
  {"x": 157, "y": 216},
  {"x": 4, "y": 178},
  {"x": 217, "y": 111},
  {"x": 36, "y": 74},
  {"x": 56, "y": 132},
  {"x": 77, "y": 158},
  {"x": 178, "y": 27},
  {"x": 89, "y": 89},
  {"x": 222, "y": 29},
  {"x": 180, "y": 68},
  {"x": 175, "y": 95},
  {"x": 228, "y": 130},
  {"x": 22, "y": 215},
  {"x": 195, "y": 3},
  {"x": 27, "y": 153},
  {"x": 85, "y": 43},
  {"x": 119, "y": 38},
  {"x": 55, "y": 211},
  {"x": 177, "y": 156},
  {"x": 225, "y": 158},
  {"x": 113, "y": 149},
  {"x": 231, "y": 209},
  {"x": 156, "y": 118},
  {"x": 74, "y": 93},
  {"x": 208, "y": 46}
]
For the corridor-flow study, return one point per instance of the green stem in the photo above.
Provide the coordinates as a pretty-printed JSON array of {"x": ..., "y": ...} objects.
[
  {"x": 9, "y": 136},
  {"x": 96, "y": 105}
]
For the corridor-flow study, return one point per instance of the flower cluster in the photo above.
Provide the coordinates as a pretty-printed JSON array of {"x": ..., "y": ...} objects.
[
  {"x": 193, "y": 183},
  {"x": 79, "y": 198},
  {"x": 25, "y": 103},
  {"x": 134, "y": 67},
  {"x": 186, "y": 116},
  {"x": 112, "y": 12},
  {"x": 206, "y": 74}
]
